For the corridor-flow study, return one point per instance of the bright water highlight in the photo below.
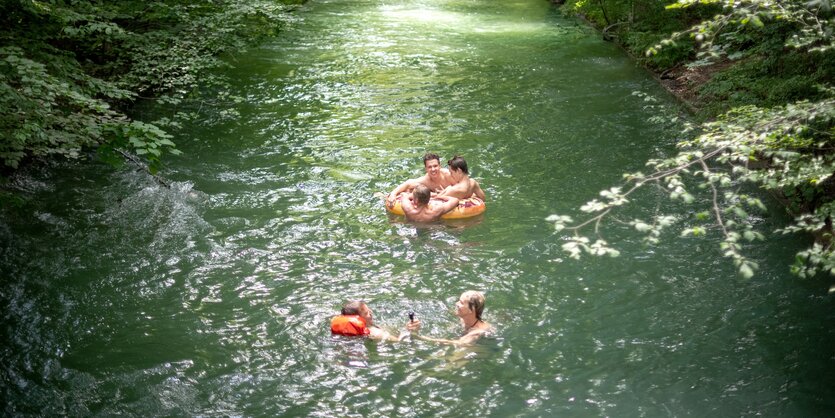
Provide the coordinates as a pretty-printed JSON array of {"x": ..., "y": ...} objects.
[{"x": 213, "y": 297}]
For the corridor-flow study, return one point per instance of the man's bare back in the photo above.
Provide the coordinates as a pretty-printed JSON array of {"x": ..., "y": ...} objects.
[
  {"x": 463, "y": 187},
  {"x": 418, "y": 208}
]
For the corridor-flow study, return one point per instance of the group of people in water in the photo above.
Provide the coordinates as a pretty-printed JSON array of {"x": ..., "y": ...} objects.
[
  {"x": 446, "y": 186},
  {"x": 357, "y": 319}
]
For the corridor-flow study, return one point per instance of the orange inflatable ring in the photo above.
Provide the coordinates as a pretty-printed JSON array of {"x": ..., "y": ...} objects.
[{"x": 467, "y": 208}]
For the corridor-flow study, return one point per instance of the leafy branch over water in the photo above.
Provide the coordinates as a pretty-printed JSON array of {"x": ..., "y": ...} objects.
[
  {"x": 738, "y": 148},
  {"x": 786, "y": 149}
]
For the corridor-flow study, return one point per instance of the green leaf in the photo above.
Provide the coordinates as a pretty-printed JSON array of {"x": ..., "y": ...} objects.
[{"x": 746, "y": 271}]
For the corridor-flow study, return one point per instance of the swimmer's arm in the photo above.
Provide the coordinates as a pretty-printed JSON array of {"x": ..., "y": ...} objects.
[
  {"x": 449, "y": 203},
  {"x": 478, "y": 192},
  {"x": 381, "y": 334},
  {"x": 456, "y": 189},
  {"x": 463, "y": 341},
  {"x": 406, "y": 185},
  {"x": 469, "y": 339},
  {"x": 406, "y": 202}
]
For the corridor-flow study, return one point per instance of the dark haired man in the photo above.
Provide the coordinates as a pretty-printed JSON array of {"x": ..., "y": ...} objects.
[
  {"x": 418, "y": 209},
  {"x": 463, "y": 186},
  {"x": 436, "y": 178}
]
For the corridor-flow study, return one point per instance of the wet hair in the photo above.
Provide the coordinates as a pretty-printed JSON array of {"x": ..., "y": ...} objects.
[
  {"x": 422, "y": 194},
  {"x": 352, "y": 307},
  {"x": 475, "y": 301},
  {"x": 431, "y": 156},
  {"x": 457, "y": 162}
]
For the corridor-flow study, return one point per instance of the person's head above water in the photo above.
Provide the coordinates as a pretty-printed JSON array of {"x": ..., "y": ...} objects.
[
  {"x": 435, "y": 177},
  {"x": 352, "y": 307},
  {"x": 458, "y": 163},
  {"x": 432, "y": 164},
  {"x": 431, "y": 156},
  {"x": 473, "y": 301},
  {"x": 421, "y": 194},
  {"x": 356, "y": 319},
  {"x": 468, "y": 308},
  {"x": 358, "y": 307}
]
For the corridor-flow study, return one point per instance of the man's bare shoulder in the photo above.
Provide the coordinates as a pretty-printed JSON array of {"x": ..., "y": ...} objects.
[
  {"x": 480, "y": 329},
  {"x": 447, "y": 177}
]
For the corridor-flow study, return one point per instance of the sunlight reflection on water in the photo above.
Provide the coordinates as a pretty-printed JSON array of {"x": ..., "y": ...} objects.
[{"x": 213, "y": 297}]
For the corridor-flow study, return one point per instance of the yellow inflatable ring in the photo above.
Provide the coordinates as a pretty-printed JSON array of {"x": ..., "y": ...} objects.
[{"x": 467, "y": 208}]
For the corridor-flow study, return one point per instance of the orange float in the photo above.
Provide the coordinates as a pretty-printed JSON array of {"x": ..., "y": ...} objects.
[
  {"x": 349, "y": 325},
  {"x": 467, "y": 208}
]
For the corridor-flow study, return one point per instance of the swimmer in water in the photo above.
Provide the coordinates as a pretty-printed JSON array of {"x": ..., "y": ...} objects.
[
  {"x": 463, "y": 187},
  {"x": 436, "y": 178},
  {"x": 357, "y": 319},
  {"x": 468, "y": 308}
]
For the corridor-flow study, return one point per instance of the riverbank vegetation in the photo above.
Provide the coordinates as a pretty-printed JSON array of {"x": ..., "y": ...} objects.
[
  {"x": 70, "y": 71},
  {"x": 758, "y": 76}
]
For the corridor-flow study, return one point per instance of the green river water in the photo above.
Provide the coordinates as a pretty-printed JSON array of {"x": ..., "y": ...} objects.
[{"x": 212, "y": 297}]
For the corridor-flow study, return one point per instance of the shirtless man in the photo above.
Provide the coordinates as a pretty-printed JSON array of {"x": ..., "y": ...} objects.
[
  {"x": 469, "y": 308},
  {"x": 418, "y": 209},
  {"x": 436, "y": 178},
  {"x": 463, "y": 186},
  {"x": 357, "y": 319}
]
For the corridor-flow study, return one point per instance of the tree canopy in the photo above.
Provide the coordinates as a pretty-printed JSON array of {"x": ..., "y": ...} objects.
[{"x": 71, "y": 70}]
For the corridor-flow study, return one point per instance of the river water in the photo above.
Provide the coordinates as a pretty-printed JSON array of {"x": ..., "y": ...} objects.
[{"x": 213, "y": 297}]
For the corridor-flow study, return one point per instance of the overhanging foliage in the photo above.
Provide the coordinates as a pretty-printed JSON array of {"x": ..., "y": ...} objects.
[
  {"x": 70, "y": 70},
  {"x": 786, "y": 148}
]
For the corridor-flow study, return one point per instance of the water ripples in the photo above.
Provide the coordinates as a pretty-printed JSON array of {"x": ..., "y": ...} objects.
[{"x": 213, "y": 297}]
